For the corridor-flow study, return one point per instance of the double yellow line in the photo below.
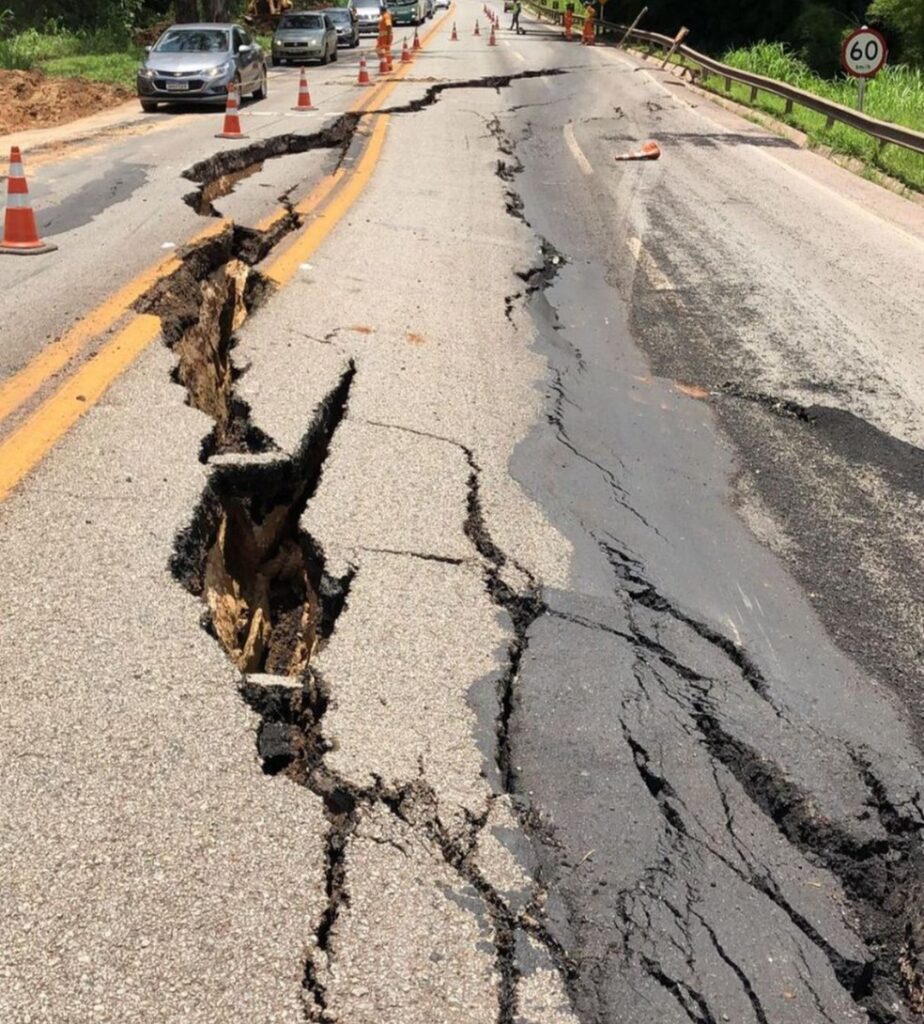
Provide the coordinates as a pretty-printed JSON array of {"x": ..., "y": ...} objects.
[{"x": 25, "y": 446}]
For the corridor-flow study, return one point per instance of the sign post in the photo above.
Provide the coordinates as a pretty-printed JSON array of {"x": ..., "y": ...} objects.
[
  {"x": 632, "y": 27},
  {"x": 678, "y": 39},
  {"x": 863, "y": 54}
]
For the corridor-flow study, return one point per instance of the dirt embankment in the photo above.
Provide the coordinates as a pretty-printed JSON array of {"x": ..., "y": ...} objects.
[{"x": 32, "y": 99}]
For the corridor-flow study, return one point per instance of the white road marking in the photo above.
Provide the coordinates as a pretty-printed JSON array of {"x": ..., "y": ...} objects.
[
  {"x": 658, "y": 280},
  {"x": 576, "y": 150},
  {"x": 519, "y": 56}
]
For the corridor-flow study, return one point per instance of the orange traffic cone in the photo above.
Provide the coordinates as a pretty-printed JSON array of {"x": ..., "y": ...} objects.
[
  {"x": 20, "y": 235},
  {"x": 391, "y": 63},
  {"x": 416, "y": 45},
  {"x": 364, "y": 78},
  {"x": 406, "y": 57},
  {"x": 649, "y": 151},
  {"x": 383, "y": 63},
  {"x": 232, "y": 126},
  {"x": 491, "y": 40},
  {"x": 454, "y": 38},
  {"x": 477, "y": 29},
  {"x": 304, "y": 96}
]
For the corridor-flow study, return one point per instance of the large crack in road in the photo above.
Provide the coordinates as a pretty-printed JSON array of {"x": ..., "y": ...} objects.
[{"x": 271, "y": 604}]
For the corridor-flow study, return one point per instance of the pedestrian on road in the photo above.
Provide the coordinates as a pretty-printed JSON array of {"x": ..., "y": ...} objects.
[
  {"x": 385, "y": 35},
  {"x": 587, "y": 35},
  {"x": 515, "y": 20}
]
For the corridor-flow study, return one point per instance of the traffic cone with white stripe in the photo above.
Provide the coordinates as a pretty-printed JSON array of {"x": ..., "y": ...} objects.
[
  {"x": 416, "y": 45},
  {"x": 405, "y": 53},
  {"x": 20, "y": 234},
  {"x": 649, "y": 151},
  {"x": 364, "y": 78},
  {"x": 454, "y": 38},
  {"x": 491, "y": 39},
  {"x": 232, "y": 125},
  {"x": 383, "y": 63},
  {"x": 390, "y": 61},
  {"x": 304, "y": 96}
]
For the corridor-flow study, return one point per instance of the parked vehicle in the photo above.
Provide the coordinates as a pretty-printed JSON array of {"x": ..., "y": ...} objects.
[
  {"x": 429, "y": 9},
  {"x": 346, "y": 23},
  {"x": 367, "y": 16},
  {"x": 196, "y": 63},
  {"x": 438, "y": 4},
  {"x": 407, "y": 12},
  {"x": 303, "y": 36}
]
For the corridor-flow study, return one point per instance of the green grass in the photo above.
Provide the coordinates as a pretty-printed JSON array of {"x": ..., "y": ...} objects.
[
  {"x": 896, "y": 95},
  {"x": 101, "y": 57}
]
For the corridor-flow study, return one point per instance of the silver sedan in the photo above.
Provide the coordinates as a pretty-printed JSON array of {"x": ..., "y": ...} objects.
[
  {"x": 197, "y": 63},
  {"x": 302, "y": 36}
]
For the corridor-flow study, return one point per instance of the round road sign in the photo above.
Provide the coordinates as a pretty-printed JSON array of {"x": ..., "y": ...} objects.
[{"x": 864, "y": 52}]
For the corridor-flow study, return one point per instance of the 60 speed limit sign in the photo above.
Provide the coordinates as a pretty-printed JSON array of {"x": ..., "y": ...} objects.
[{"x": 864, "y": 52}]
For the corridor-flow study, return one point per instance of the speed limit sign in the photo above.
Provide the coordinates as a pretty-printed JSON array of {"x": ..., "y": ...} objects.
[{"x": 864, "y": 52}]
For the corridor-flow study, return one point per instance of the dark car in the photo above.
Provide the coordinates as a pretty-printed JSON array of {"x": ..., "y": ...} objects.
[
  {"x": 346, "y": 23},
  {"x": 196, "y": 63},
  {"x": 303, "y": 36}
]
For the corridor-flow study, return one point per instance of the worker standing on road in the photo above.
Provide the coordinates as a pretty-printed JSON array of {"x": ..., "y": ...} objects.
[
  {"x": 385, "y": 36},
  {"x": 515, "y": 20},
  {"x": 587, "y": 35},
  {"x": 568, "y": 21}
]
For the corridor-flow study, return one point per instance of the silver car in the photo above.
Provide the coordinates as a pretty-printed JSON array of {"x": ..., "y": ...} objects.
[
  {"x": 196, "y": 63},
  {"x": 305, "y": 35}
]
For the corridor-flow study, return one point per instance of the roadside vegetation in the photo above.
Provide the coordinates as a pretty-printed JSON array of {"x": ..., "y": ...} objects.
[{"x": 896, "y": 94}]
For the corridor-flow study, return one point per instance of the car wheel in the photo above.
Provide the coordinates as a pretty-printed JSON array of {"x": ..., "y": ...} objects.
[
  {"x": 261, "y": 90},
  {"x": 335, "y": 56},
  {"x": 149, "y": 106},
  {"x": 325, "y": 58}
]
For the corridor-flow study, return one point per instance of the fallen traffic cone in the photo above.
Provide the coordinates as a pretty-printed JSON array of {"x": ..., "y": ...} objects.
[
  {"x": 491, "y": 40},
  {"x": 20, "y": 235},
  {"x": 406, "y": 57},
  {"x": 454, "y": 38},
  {"x": 232, "y": 126},
  {"x": 416, "y": 45},
  {"x": 477, "y": 29},
  {"x": 650, "y": 151},
  {"x": 364, "y": 78},
  {"x": 304, "y": 97}
]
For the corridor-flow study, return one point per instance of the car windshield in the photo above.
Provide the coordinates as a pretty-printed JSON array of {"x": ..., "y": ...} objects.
[
  {"x": 338, "y": 15},
  {"x": 301, "y": 21},
  {"x": 198, "y": 40}
]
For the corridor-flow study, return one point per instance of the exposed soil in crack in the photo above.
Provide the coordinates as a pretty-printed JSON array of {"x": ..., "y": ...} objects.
[
  {"x": 218, "y": 174},
  {"x": 269, "y": 600}
]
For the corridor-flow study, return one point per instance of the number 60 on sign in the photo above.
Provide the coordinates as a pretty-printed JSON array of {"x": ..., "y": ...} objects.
[{"x": 864, "y": 52}]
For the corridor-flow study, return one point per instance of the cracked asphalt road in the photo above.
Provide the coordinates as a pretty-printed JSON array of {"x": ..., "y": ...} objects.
[{"x": 508, "y": 613}]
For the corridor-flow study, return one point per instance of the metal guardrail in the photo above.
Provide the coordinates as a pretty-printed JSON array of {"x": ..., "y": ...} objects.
[{"x": 884, "y": 131}]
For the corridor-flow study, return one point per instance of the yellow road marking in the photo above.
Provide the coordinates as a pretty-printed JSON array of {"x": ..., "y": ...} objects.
[
  {"x": 43, "y": 428},
  {"x": 24, "y": 383},
  {"x": 282, "y": 269},
  {"x": 34, "y": 438}
]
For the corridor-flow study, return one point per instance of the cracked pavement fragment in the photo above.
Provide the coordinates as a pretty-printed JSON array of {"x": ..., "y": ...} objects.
[
  {"x": 413, "y": 943},
  {"x": 414, "y": 638}
]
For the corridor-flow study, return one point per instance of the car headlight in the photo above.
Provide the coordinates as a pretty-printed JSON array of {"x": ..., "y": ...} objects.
[
  {"x": 222, "y": 69},
  {"x": 144, "y": 72}
]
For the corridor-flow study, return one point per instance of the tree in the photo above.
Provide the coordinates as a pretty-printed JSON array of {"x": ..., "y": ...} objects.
[
  {"x": 906, "y": 18},
  {"x": 186, "y": 11}
]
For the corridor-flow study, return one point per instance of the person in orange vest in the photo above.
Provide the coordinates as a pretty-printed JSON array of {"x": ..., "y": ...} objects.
[
  {"x": 587, "y": 35},
  {"x": 385, "y": 35},
  {"x": 568, "y": 21}
]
